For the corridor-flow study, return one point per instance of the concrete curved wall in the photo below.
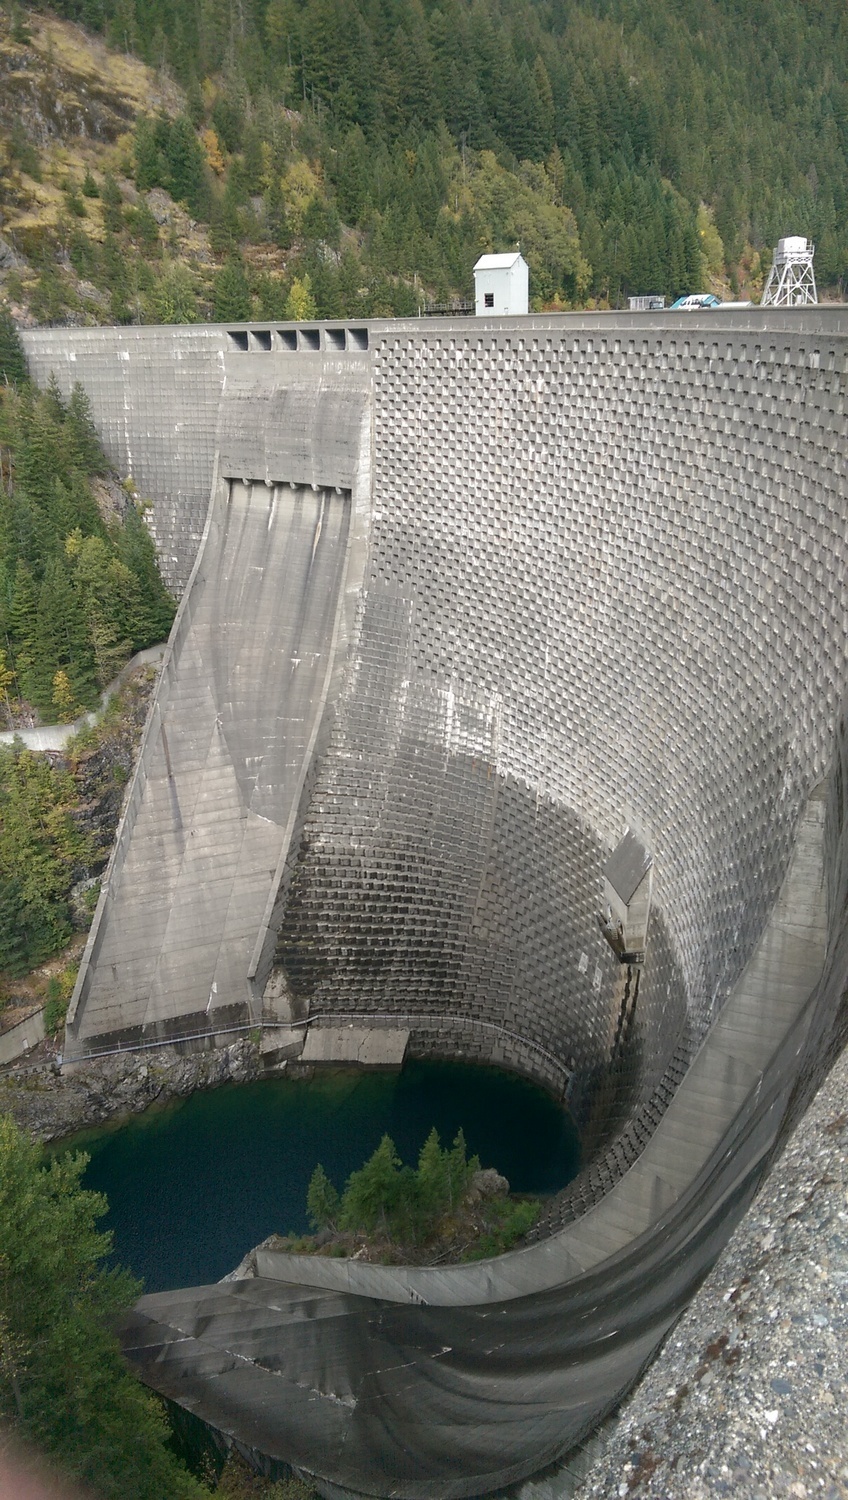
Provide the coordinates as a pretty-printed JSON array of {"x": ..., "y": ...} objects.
[
  {"x": 597, "y": 577},
  {"x": 605, "y": 586}
]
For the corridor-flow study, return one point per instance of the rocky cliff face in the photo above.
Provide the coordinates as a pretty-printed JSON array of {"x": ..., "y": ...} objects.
[
  {"x": 58, "y": 84},
  {"x": 49, "y": 1104},
  {"x": 67, "y": 109}
]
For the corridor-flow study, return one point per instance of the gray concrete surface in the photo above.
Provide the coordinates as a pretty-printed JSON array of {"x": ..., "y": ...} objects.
[
  {"x": 20, "y": 1039},
  {"x": 355, "y": 1046},
  {"x": 223, "y": 763}
]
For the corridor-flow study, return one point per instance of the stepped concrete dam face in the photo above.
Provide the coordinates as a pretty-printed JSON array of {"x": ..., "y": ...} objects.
[{"x": 470, "y": 612}]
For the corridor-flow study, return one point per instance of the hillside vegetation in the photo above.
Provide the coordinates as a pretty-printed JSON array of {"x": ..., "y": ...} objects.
[
  {"x": 79, "y": 583},
  {"x": 79, "y": 593},
  {"x": 237, "y": 158},
  {"x": 444, "y": 1209}
]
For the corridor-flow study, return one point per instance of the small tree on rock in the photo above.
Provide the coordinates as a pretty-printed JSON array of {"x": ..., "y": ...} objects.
[
  {"x": 460, "y": 1169},
  {"x": 433, "y": 1177},
  {"x": 322, "y": 1201},
  {"x": 377, "y": 1197}
]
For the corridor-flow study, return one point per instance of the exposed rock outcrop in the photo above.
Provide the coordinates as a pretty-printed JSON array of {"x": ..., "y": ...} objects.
[{"x": 49, "y": 1104}]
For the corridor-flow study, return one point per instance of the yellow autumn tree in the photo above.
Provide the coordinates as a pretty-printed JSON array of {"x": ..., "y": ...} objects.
[
  {"x": 300, "y": 303},
  {"x": 300, "y": 184},
  {"x": 711, "y": 245},
  {"x": 7, "y": 677},
  {"x": 63, "y": 698},
  {"x": 212, "y": 147}
]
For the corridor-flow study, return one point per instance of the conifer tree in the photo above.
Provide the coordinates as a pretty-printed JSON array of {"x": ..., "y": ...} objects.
[
  {"x": 38, "y": 459},
  {"x": 23, "y": 617},
  {"x": 231, "y": 293},
  {"x": 460, "y": 1169},
  {"x": 151, "y": 168},
  {"x": 276, "y": 218},
  {"x": 373, "y": 1195},
  {"x": 13, "y": 366},
  {"x": 187, "y": 166},
  {"x": 63, "y": 1383},
  {"x": 110, "y": 195},
  {"x": 83, "y": 442},
  {"x": 14, "y": 958},
  {"x": 322, "y": 1200},
  {"x": 433, "y": 1177}
]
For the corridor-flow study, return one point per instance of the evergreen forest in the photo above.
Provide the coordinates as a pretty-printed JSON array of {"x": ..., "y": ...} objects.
[
  {"x": 354, "y": 157},
  {"x": 79, "y": 593}
]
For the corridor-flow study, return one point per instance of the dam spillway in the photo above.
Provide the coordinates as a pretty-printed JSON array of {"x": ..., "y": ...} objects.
[
  {"x": 244, "y": 684},
  {"x": 589, "y": 574}
]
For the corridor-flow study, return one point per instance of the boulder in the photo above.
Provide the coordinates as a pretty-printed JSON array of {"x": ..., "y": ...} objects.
[{"x": 487, "y": 1183}]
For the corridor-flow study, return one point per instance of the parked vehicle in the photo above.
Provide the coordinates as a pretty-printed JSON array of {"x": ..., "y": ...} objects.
[{"x": 697, "y": 300}]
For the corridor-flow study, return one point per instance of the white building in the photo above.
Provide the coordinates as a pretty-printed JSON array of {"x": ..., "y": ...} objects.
[{"x": 501, "y": 285}]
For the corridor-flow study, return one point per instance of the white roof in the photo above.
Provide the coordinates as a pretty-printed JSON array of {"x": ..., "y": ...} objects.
[{"x": 497, "y": 262}]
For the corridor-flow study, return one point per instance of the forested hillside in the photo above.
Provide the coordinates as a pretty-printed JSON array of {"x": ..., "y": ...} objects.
[
  {"x": 79, "y": 584},
  {"x": 341, "y": 157},
  {"x": 79, "y": 592}
]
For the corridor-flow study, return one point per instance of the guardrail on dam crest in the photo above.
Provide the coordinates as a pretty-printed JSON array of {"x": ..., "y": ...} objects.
[{"x": 463, "y": 602}]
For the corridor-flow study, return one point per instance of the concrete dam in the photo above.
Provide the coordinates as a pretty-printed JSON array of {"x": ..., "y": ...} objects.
[{"x": 461, "y": 604}]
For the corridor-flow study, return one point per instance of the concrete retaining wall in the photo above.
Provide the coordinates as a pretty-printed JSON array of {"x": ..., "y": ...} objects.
[
  {"x": 20, "y": 1039},
  {"x": 56, "y": 736}
]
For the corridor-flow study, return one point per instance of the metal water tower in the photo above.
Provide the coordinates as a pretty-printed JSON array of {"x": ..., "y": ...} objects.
[{"x": 791, "y": 282}]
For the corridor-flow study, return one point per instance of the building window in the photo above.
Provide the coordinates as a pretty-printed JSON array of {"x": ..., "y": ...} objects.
[{"x": 488, "y": 299}]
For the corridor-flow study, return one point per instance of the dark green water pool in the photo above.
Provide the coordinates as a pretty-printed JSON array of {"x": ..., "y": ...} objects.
[{"x": 192, "y": 1187}]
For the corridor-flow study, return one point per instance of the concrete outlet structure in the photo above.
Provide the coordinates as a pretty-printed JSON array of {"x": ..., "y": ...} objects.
[
  {"x": 460, "y": 603},
  {"x": 628, "y": 885}
]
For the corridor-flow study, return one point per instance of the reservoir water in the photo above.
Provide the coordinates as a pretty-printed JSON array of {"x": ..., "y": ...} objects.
[{"x": 194, "y": 1185}]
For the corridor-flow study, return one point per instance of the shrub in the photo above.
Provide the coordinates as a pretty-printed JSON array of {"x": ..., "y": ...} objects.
[
  {"x": 511, "y": 1220},
  {"x": 60, "y": 988}
]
